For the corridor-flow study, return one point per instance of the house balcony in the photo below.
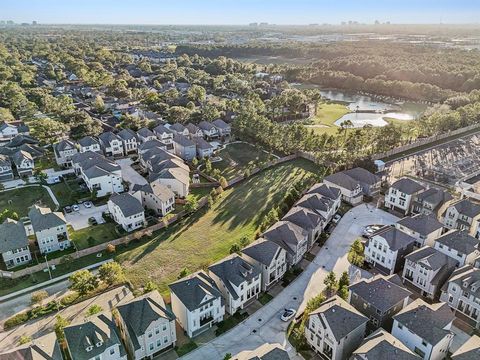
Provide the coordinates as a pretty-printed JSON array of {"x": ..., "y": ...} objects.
[{"x": 206, "y": 320}]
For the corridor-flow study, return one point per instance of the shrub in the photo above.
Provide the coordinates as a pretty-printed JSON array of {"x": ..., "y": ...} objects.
[
  {"x": 94, "y": 309},
  {"x": 15, "y": 320},
  {"x": 39, "y": 296},
  {"x": 110, "y": 248},
  {"x": 24, "y": 339}
]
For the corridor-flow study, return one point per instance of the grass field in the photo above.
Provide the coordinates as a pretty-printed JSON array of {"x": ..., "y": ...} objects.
[
  {"x": 207, "y": 236},
  {"x": 99, "y": 234},
  {"x": 19, "y": 200},
  {"x": 236, "y": 158},
  {"x": 68, "y": 192},
  {"x": 327, "y": 114}
]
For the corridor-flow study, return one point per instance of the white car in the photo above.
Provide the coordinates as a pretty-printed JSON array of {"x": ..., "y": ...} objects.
[
  {"x": 75, "y": 207},
  {"x": 288, "y": 314},
  {"x": 336, "y": 218},
  {"x": 88, "y": 204}
]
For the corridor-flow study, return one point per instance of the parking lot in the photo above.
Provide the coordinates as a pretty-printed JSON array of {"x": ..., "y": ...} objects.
[{"x": 79, "y": 219}]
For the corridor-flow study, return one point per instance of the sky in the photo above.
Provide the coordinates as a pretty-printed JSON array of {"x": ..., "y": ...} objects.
[{"x": 217, "y": 12}]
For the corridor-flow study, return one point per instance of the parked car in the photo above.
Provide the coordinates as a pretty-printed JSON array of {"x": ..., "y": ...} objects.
[
  {"x": 75, "y": 207},
  {"x": 88, "y": 204},
  {"x": 336, "y": 218},
  {"x": 288, "y": 314},
  {"x": 67, "y": 209},
  {"x": 92, "y": 221},
  {"x": 54, "y": 180},
  {"x": 370, "y": 230}
]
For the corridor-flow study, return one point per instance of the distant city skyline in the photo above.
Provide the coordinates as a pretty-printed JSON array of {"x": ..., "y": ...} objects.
[{"x": 238, "y": 12}]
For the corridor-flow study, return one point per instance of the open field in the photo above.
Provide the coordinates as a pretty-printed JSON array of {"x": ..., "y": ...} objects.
[
  {"x": 236, "y": 158},
  {"x": 19, "y": 200},
  {"x": 69, "y": 192},
  {"x": 207, "y": 236},
  {"x": 94, "y": 235},
  {"x": 327, "y": 114}
]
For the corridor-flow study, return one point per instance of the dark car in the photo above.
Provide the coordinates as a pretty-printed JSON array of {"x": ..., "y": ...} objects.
[
  {"x": 67, "y": 209},
  {"x": 92, "y": 221}
]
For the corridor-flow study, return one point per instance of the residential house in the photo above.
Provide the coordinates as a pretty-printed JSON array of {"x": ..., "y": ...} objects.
[
  {"x": 14, "y": 244},
  {"x": 463, "y": 215},
  {"x": 7, "y": 131},
  {"x": 23, "y": 162},
  {"x": 266, "y": 351},
  {"x": 430, "y": 201},
  {"x": 176, "y": 179},
  {"x": 209, "y": 130},
  {"x": 89, "y": 144},
  {"x": 386, "y": 249},
  {"x": 146, "y": 326},
  {"x": 462, "y": 293},
  {"x": 427, "y": 269},
  {"x": 179, "y": 129},
  {"x": 269, "y": 257},
  {"x": 197, "y": 303},
  {"x": 156, "y": 197},
  {"x": 319, "y": 204},
  {"x": 184, "y": 147},
  {"x": 469, "y": 350},
  {"x": 238, "y": 281},
  {"x": 129, "y": 140},
  {"x": 331, "y": 193},
  {"x": 64, "y": 150},
  {"x": 127, "y": 211},
  {"x": 50, "y": 229},
  {"x": 308, "y": 220},
  {"x": 370, "y": 182},
  {"x": 42, "y": 348},
  {"x": 459, "y": 245},
  {"x": 151, "y": 145},
  {"x": 223, "y": 129},
  {"x": 204, "y": 148},
  {"x": 96, "y": 338},
  {"x": 111, "y": 144},
  {"x": 292, "y": 238},
  {"x": 401, "y": 194},
  {"x": 383, "y": 345},
  {"x": 424, "y": 228},
  {"x": 351, "y": 189},
  {"x": 194, "y": 131},
  {"x": 159, "y": 163},
  {"x": 335, "y": 329},
  {"x": 101, "y": 175},
  {"x": 379, "y": 299},
  {"x": 425, "y": 329},
  {"x": 145, "y": 134},
  {"x": 6, "y": 172},
  {"x": 163, "y": 134}
]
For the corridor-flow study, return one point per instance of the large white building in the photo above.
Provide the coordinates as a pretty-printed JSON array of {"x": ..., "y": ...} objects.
[
  {"x": 50, "y": 229},
  {"x": 401, "y": 194},
  {"x": 127, "y": 211}
]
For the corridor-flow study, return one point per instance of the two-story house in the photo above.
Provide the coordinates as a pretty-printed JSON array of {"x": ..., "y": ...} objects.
[
  {"x": 223, "y": 129},
  {"x": 23, "y": 163},
  {"x": 269, "y": 257},
  {"x": 6, "y": 171},
  {"x": 351, "y": 189},
  {"x": 41, "y": 348},
  {"x": 424, "y": 228},
  {"x": 194, "y": 131},
  {"x": 238, "y": 281},
  {"x": 156, "y": 197},
  {"x": 64, "y": 150},
  {"x": 176, "y": 179},
  {"x": 370, "y": 182},
  {"x": 179, "y": 129},
  {"x": 96, "y": 338},
  {"x": 379, "y": 298},
  {"x": 430, "y": 201},
  {"x": 209, "y": 130},
  {"x": 462, "y": 215},
  {"x": 462, "y": 293},
  {"x": 335, "y": 329},
  {"x": 319, "y": 204},
  {"x": 89, "y": 144},
  {"x": 50, "y": 229},
  {"x": 308, "y": 220},
  {"x": 197, "y": 303},
  {"x": 111, "y": 144},
  {"x": 401, "y": 194},
  {"x": 427, "y": 269},
  {"x": 129, "y": 140},
  {"x": 163, "y": 134},
  {"x": 184, "y": 147},
  {"x": 204, "y": 148},
  {"x": 386, "y": 249},
  {"x": 127, "y": 211},
  {"x": 331, "y": 193},
  {"x": 425, "y": 329},
  {"x": 459, "y": 245},
  {"x": 146, "y": 326},
  {"x": 469, "y": 350},
  {"x": 290, "y": 237},
  {"x": 14, "y": 244},
  {"x": 145, "y": 134}
]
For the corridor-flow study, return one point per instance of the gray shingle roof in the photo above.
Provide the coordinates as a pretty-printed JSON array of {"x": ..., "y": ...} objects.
[
  {"x": 160, "y": 191},
  {"x": 431, "y": 258},
  {"x": 434, "y": 196},
  {"x": 303, "y": 217},
  {"x": 427, "y": 321},
  {"x": 470, "y": 350},
  {"x": 324, "y": 190},
  {"x": 315, "y": 202},
  {"x": 459, "y": 240},
  {"x": 183, "y": 140},
  {"x": 145, "y": 132},
  {"x": 151, "y": 144},
  {"x": 44, "y": 348},
  {"x": 220, "y": 124},
  {"x": 108, "y": 137},
  {"x": 202, "y": 144},
  {"x": 343, "y": 180},
  {"x": 64, "y": 145},
  {"x": 466, "y": 207},
  {"x": 128, "y": 204},
  {"x": 262, "y": 250},
  {"x": 342, "y": 318},
  {"x": 422, "y": 224},
  {"x": 205, "y": 125},
  {"x": 12, "y": 236},
  {"x": 43, "y": 218},
  {"x": 87, "y": 141},
  {"x": 5, "y": 161},
  {"x": 380, "y": 292},
  {"x": 407, "y": 186},
  {"x": 465, "y": 277},
  {"x": 21, "y": 155},
  {"x": 194, "y": 289},
  {"x": 177, "y": 127},
  {"x": 362, "y": 175},
  {"x": 161, "y": 129},
  {"x": 127, "y": 134},
  {"x": 286, "y": 234},
  {"x": 395, "y": 238},
  {"x": 192, "y": 129}
]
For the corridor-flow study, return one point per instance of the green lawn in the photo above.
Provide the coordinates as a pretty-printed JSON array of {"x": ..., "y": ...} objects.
[
  {"x": 185, "y": 349},
  {"x": 327, "y": 114},
  {"x": 94, "y": 235},
  {"x": 200, "y": 192},
  {"x": 230, "y": 322},
  {"x": 68, "y": 192},
  {"x": 236, "y": 158},
  {"x": 19, "y": 200},
  {"x": 207, "y": 236}
]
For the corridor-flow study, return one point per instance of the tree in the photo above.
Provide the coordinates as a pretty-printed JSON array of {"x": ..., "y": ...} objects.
[
  {"x": 83, "y": 281},
  {"x": 197, "y": 94},
  {"x": 344, "y": 280},
  {"x": 39, "y": 296},
  {"x": 110, "y": 248},
  {"x": 223, "y": 182},
  {"x": 48, "y": 131},
  {"x": 99, "y": 104},
  {"x": 356, "y": 253},
  {"x": 195, "y": 162},
  {"x": 60, "y": 325},
  {"x": 235, "y": 248},
  {"x": 94, "y": 309},
  {"x": 208, "y": 166},
  {"x": 24, "y": 339},
  {"x": 8, "y": 214},
  {"x": 312, "y": 304},
  {"x": 330, "y": 283},
  {"x": 111, "y": 273},
  {"x": 227, "y": 356},
  {"x": 184, "y": 272},
  {"x": 150, "y": 286},
  {"x": 343, "y": 292},
  {"x": 244, "y": 241},
  {"x": 191, "y": 205}
]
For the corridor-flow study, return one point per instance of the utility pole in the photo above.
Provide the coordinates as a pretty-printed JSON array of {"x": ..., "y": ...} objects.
[{"x": 48, "y": 267}]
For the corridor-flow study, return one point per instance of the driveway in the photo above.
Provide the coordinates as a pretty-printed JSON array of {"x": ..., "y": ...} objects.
[
  {"x": 129, "y": 174},
  {"x": 265, "y": 325},
  {"x": 79, "y": 219}
]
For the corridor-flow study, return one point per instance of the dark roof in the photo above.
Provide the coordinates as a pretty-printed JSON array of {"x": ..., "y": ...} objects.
[
  {"x": 466, "y": 207},
  {"x": 202, "y": 144},
  {"x": 87, "y": 141},
  {"x": 380, "y": 292},
  {"x": 434, "y": 196},
  {"x": 145, "y": 132},
  {"x": 177, "y": 127},
  {"x": 219, "y": 123},
  {"x": 64, "y": 145},
  {"x": 467, "y": 278},
  {"x": 431, "y": 258},
  {"x": 108, "y": 137},
  {"x": 21, "y": 140},
  {"x": 160, "y": 129},
  {"x": 43, "y": 218},
  {"x": 395, "y": 238},
  {"x": 315, "y": 202},
  {"x": 127, "y": 134},
  {"x": 286, "y": 234},
  {"x": 262, "y": 250},
  {"x": 43, "y": 348},
  {"x": 459, "y": 240},
  {"x": 303, "y": 217},
  {"x": 324, "y": 190},
  {"x": 128, "y": 204},
  {"x": 195, "y": 290},
  {"x": 205, "y": 125},
  {"x": 12, "y": 236},
  {"x": 420, "y": 223},
  {"x": 343, "y": 180},
  {"x": 362, "y": 175},
  {"x": 183, "y": 140},
  {"x": 470, "y": 350},
  {"x": 407, "y": 186}
]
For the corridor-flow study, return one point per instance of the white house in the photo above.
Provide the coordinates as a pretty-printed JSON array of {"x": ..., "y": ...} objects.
[
  {"x": 111, "y": 144},
  {"x": 64, "y": 150},
  {"x": 96, "y": 338},
  {"x": 156, "y": 197},
  {"x": 351, "y": 189},
  {"x": 424, "y": 228},
  {"x": 319, "y": 204},
  {"x": 331, "y": 193},
  {"x": 14, "y": 244},
  {"x": 184, "y": 147},
  {"x": 223, "y": 129},
  {"x": 204, "y": 148},
  {"x": 425, "y": 329},
  {"x": 335, "y": 329},
  {"x": 238, "y": 281},
  {"x": 89, "y": 144},
  {"x": 50, "y": 229},
  {"x": 463, "y": 215},
  {"x": 459, "y": 245},
  {"x": 269, "y": 257},
  {"x": 431, "y": 201},
  {"x": 194, "y": 131},
  {"x": 179, "y": 129},
  {"x": 7, "y": 131},
  {"x": 209, "y": 130},
  {"x": 163, "y": 134},
  {"x": 197, "y": 303},
  {"x": 145, "y": 134},
  {"x": 6, "y": 171},
  {"x": 23, "y": 162},
  {"x": 129, "y": 140},
  {"x": 127, "y": 211},
  {"x": 401, "y": 194},
  {"x": 146, "y": 326},
  {"x": 176, "y": 179}
]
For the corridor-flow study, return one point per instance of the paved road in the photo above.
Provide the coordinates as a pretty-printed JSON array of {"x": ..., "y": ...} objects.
[
  {"x": 265, "y": 325},
  {"x": 129, "y": 174},
  {"x": 79, "y": 219}
]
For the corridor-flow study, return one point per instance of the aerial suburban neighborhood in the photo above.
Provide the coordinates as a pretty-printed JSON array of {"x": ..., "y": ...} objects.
[{"x": 263, "y": 191}]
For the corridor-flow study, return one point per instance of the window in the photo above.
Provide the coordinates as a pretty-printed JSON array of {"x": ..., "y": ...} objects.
[
  {"x": 400, "y": 326},
  {"x": 112, "y": 351},
  {"x": 165, "y": 339},
  {"x": 150, "y": 346}
]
